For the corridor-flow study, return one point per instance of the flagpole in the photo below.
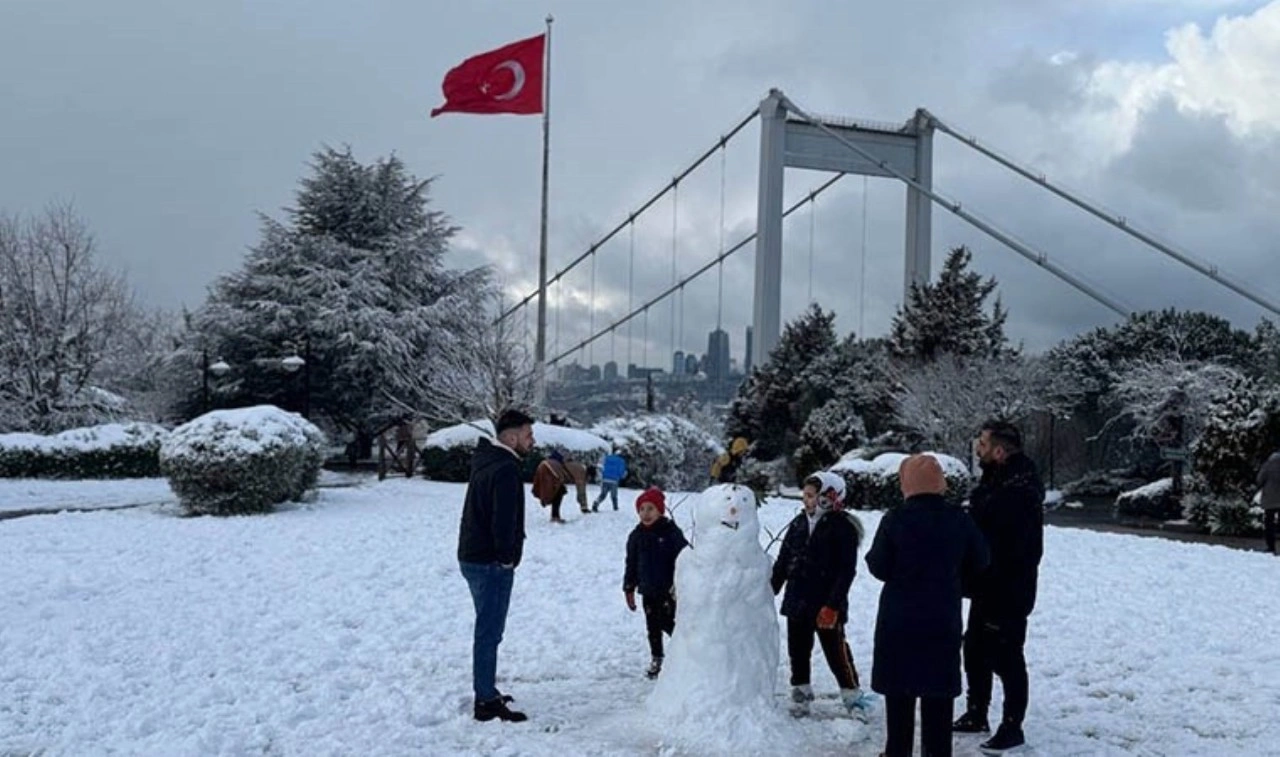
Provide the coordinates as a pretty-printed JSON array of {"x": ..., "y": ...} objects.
[{"x": 540, "y": 351}]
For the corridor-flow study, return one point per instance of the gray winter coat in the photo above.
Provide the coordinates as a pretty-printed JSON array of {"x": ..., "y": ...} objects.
[{"x": 1269, "y": 480}]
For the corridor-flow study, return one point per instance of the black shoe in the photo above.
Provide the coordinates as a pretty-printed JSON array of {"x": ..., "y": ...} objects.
[
  {"x": 497, "y": 708},
  {"x": 655, "y": 667},
  {"x": 972, "y": 721},
  {"x": 1008, "y": 737},
  {"x": 595, "y": 508}
]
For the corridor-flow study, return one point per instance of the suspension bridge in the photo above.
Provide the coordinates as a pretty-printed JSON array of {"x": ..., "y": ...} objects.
[{"x": 791, "y": 136}]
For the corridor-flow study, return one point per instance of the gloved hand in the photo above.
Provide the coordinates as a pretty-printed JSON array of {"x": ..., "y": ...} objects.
[
  {"x": 827, "y": 618},
  {"x": 631, "y": 600}
]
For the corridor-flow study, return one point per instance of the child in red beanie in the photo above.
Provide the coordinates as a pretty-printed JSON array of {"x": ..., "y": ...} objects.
[{"x": 652, "y": 548}]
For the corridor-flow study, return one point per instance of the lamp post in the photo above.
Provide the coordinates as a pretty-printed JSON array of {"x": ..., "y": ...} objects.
[
  {"x": 292, "y": 364},
  {"x": 218, "y": 369}
]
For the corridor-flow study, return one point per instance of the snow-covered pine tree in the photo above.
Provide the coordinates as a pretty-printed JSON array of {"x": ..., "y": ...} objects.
[
  {"x": 1241, "y": 428},
  {"x": 356, "y": 278},
  {"x": 949, "y": 316},
  {"x": 765, "y": 410}
]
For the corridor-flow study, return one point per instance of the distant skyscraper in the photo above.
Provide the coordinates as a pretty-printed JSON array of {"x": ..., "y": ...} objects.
[
  {"x": 691, "y": 364},
  {"x": 746, "y": 361},
  {"x": 677, "y": 363},
  {"x": 717, "y": 368},
  {"x": 611, "y": 371}
]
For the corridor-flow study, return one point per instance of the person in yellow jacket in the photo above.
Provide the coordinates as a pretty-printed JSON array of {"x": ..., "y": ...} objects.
[{"x": 725, "y": 468}]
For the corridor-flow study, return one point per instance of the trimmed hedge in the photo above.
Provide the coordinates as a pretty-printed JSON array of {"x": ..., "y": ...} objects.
[
  {"x": 874, "y": 485},
  {"x": 454, "y": 463},
  {"x": 113, "y": 450},
  {"x": 231, "y": 462},
  {"x": 1155, "y": 500}
]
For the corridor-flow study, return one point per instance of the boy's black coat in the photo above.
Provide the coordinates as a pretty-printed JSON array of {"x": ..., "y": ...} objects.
[{"x": 651, "y": 557}]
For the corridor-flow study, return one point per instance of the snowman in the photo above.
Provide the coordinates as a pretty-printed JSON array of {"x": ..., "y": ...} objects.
[{"x": 722, "y": 664}]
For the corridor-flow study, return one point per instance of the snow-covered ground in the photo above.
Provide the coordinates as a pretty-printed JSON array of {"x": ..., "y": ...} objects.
[
  {"x": 46, "y": 494},
  {"x": 342, "y": 627}
]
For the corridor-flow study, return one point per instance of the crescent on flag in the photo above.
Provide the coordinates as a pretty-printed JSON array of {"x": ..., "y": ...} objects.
[{"x": 517, "y": 71}]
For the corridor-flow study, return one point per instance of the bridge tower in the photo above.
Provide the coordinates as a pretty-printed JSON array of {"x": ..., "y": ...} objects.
[{"x": 796, "y": 143}]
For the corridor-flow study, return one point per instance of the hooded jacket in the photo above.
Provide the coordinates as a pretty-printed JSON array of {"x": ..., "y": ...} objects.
[{"x": 492, "y": 528}]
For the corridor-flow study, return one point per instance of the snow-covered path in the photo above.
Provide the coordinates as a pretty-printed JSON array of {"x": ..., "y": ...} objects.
[{"x": 342, "y": 627}]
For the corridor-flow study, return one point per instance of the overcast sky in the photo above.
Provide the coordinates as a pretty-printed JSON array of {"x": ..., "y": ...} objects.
[{"x": 169, "y": 125}]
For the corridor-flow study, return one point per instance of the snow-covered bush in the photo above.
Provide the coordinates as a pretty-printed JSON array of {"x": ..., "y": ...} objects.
[
  {"x": 446, "y": 453},
  {"x": 830, "y": 431},
  {"x": 1154, "y": 500},
  {"x": 113, "y": 450},
  {"x": 1233, "y": 517},
  {"x": 661, "y": 450},
  {"x": 1102, "y": 484},
  {"x": 873, "y": 484},
  {"x": 229, "y": 462}
]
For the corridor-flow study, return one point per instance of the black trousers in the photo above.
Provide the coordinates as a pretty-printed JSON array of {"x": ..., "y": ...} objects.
[
  {"x": 1269, "y": 518},
  {"x": 659, "y": 618},
  {"x": 555, "y": 506},
  {"x": 993, "y": 646},
  {"x": 935, "y": 726},
  {"x": 835, "y": 648}
]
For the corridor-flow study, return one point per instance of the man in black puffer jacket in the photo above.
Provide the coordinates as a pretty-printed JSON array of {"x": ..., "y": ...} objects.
[
  {"x": 490, "y": 543},
  {"x": 817, "y": 563},
  {"x": 1008, "y": 507}
]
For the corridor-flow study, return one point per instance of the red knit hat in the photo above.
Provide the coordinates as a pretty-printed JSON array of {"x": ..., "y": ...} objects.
[{"x": 654, "y": 496}]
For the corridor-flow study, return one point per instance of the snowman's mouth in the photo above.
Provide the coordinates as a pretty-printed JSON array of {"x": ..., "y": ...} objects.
[{"x": 730, "y": 524}]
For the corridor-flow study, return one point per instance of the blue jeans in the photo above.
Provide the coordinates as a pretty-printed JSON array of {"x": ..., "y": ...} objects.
[
  {"x": 490, "y": 585},
  {"x": 610, "y": 488}
]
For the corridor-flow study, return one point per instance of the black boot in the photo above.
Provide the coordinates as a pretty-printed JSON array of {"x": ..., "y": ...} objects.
[
  {"x": 974, "y": 720},
  {"x": 497, "y": 708},
  {"x": 655, "y": 667},
  {"x": 1008, "y": 737}
]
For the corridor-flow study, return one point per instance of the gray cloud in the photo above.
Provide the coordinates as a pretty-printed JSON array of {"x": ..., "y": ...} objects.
[{"x": 169, "y": 125}]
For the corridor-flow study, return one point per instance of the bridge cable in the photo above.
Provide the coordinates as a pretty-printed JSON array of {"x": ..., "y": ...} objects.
[
  {"x": 1039, "y": 258},
  {"x": 718, "y": 260},
  {"x": 643, "y": 207},
  {"x": 1118, "y": 221}
]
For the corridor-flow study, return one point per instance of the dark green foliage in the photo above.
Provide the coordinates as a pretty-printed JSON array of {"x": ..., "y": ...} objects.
[
  {"x": 134, "y": 461},
  {"x": 135, "y": 456},
  {"x": 875, "y": 490},
  {"x": 948, "y": 317},
  {"x": 1242, "y": 429},
  {"x": 1160, "y": 504},
  {"x": 767, "y": 410},
  {"x": 226, "y": 463}
]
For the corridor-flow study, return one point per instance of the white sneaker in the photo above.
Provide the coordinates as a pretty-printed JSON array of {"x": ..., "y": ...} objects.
[{"x": 857, "y": 702}]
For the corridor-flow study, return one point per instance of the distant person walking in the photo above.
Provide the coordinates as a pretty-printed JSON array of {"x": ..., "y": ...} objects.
[
  {"x": 612, "y": 470},
  {"x": 549, "y": 483},
  {"x": 490, "y": 544}
]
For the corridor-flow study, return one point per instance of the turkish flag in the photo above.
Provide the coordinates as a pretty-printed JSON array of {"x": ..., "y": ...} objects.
[{"x": 506, "y": 80}]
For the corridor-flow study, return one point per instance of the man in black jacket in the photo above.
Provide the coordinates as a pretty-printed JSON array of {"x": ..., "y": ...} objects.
[
  {"x": 1008, "y": 506},
  {"x": 490, "y": 542}
]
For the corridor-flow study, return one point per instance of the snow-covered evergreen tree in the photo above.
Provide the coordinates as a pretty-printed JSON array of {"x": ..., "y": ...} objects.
[
  {"x": 1094, "y": 360},
  {"x": 356, "y": 281},
  {"x": 1240, "y": 429},
  {"x": 766, "y": 409},
  {"x": 949, "y": 316}
]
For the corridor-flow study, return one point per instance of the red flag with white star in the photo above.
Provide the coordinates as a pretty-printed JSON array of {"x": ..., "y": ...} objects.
[{"x": 505, "y": 80}]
